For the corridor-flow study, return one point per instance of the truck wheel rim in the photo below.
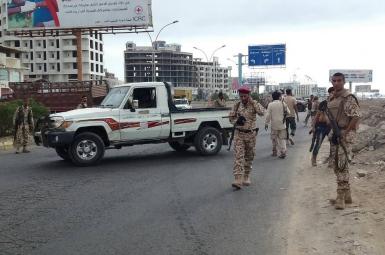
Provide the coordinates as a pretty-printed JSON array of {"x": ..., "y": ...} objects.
[
  {"x": 86, "y": 149},
  {"x": 210, "y": 142}
]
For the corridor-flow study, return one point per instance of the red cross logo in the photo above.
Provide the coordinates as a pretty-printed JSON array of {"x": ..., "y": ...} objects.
[{"x": 138, "y": 9}]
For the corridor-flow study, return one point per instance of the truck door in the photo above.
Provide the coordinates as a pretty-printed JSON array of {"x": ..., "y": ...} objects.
[{"x": 146, "y": 122}]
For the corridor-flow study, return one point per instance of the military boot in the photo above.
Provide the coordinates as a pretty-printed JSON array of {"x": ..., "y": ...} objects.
[
  {"x": 348, "y": 196},
  {"x": 237, "y": 184},
  {"x": 340, "y": 200},
  {"x": 314, "y": 160},
  {"x": 246, "y": 180}
]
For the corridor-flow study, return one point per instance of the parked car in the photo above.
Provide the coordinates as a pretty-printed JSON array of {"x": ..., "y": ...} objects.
[{"x": 182, "y": 103}]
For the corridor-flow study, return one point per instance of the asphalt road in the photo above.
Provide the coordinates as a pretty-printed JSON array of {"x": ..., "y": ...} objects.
[{"x": 145, "y": 200}]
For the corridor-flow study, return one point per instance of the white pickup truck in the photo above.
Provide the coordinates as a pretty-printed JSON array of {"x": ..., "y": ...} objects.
[{"x": 131, "y": 114}]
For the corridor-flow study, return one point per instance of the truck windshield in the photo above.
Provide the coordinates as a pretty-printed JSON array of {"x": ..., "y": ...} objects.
[{"x": 115, "y": 97}]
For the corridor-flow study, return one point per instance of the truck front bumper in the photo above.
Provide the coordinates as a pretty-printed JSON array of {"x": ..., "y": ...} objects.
[{"x": 54, "y": 138}]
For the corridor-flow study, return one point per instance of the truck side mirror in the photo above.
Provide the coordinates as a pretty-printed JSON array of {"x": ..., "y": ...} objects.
[{"x": 135, "y": 104}]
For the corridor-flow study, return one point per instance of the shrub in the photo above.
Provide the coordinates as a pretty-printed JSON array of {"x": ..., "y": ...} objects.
[{"x": 7, "y": 110}]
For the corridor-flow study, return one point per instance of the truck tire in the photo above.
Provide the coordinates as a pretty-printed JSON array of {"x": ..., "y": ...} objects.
[
  {"x": 86, "y": 149},
  {"x": 63, "y": 153},
  {"x": 208, "y": 141},
  {"x": 178, "y": 146}
]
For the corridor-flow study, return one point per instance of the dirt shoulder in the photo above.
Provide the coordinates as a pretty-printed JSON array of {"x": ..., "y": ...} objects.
[{"x": 316, "y": 227}]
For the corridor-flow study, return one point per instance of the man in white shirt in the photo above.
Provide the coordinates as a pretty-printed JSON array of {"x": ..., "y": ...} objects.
[{"x": 275, "y": 115}]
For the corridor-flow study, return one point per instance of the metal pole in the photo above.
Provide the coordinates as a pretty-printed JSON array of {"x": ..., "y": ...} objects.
[
  {"x": 240, "y": 68},
  {"x": 154, "y": 48}
]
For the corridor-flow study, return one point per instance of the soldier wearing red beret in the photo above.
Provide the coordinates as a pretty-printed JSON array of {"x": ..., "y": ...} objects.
[{"x": 244, "y": 116}]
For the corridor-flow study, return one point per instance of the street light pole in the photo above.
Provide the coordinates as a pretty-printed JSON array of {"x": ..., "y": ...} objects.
[
  {"x": 209, "y": 59},
  {"x": 154, "y": 48}
]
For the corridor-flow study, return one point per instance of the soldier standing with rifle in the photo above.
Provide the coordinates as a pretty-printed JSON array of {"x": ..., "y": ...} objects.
[
  {"x": 23, "y": 123},
  {"x": 343, "y": 112},
  {"x": 243, "y": 117}
]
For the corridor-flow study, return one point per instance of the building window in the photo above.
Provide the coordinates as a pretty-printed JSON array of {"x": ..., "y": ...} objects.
[
  {"x": 101, "y": 58},
  {"x": 44, "y": 44},
  {"x": 101, "y": 68},
  {"x": 73, "y": 76},
  {"x": 97, "y": 68},
  {"x": 101, "y": 47},
  {"x": 96, "y": 45},
  {"x": 92, "y": 55},
  {"x": 17, "y": 44},
  {"x": 57, "y": 55},
  {"x": 96, "y": 56},
  {"x": 74, "y": 54},
  {"x": 92, "y": 67},
  {"x": 91, "y": 44},
  {"x": 58, "y": 67},
  {"x": 57, "y": 43},
  {"x": 74, "y": 65},
  {"x": 4, "y": 75},
  {"x": 31, "y": 68}
]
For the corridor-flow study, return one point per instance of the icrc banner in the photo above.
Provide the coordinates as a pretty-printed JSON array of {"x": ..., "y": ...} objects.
[{"x": 40, "y": 14}]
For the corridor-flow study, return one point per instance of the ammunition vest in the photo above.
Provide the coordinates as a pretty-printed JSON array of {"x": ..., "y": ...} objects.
[{"x": 337, "y": 108}]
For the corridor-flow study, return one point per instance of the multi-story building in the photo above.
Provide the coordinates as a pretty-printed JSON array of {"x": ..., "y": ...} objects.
[
  {"x": 171, "y": 64},
  {"x": 11, "y": 69},
  {"x": 211, "y": 76},
  {"x": 299, "y": 90},
  {"x": 55, "y": 58}
]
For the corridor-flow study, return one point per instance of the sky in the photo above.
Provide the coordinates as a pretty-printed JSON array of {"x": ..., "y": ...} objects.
[{"x": 319, "y": 35}]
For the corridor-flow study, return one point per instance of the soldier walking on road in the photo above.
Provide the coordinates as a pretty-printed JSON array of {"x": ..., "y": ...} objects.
[
  {"x": 345, "y": 110},
  {"x": 291, "y": 103},
  {"x": 23, "y": 123},
  {"x": 276, "y": 116},
  {"x": 83, "y": 103},
  {"x": 243, "y": 116},
  {"x": 220, "y": 101}
]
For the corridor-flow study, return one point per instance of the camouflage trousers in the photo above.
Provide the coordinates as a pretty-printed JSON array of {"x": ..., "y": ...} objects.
[
  {"x": 342, "y": 174},
  {"x": 244, "y": 151},
  {"x": 22, "y": 137},
  {"x": 278, "y": 139}
]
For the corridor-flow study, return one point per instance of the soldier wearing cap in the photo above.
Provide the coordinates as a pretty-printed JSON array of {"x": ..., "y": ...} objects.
[{"x": 243, "y": 116}]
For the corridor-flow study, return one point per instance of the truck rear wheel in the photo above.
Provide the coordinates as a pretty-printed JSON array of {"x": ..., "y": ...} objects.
[
  {"x": 179, "y": 147},
  {"x": 208, "y": 141},
  {"x": 87, "y": 149},
  {"x": 63, "y": 153}
]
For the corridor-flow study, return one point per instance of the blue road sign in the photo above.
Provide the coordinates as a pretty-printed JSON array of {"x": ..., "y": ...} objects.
[{"x": 267, "y": 55}]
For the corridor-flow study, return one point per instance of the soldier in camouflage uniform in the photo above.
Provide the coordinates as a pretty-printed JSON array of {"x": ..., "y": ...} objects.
[
  {"x": 243, "y": 115},
  {"x": 346, "y": 111},
  {"x": 23, "y": 123}
]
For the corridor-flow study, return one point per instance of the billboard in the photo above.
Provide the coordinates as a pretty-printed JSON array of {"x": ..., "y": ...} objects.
[
  {"x": 363, "y": 88},
  {"x": 267, "y": 55},
  {"x": 354, "y": 75},
  {"x": 64, "y": 14}
]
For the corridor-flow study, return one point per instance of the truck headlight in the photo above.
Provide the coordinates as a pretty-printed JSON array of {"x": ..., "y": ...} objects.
[
  {"x": 66, "y": 124},
  {"x": 56, "y": 122}
]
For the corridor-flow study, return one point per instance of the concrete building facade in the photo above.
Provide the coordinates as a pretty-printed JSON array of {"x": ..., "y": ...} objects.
[
  {"x": 55, "y": 58},
  {"x": 171, "y": 64}
]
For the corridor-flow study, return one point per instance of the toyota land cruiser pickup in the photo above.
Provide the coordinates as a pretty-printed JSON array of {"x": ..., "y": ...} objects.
[{"x": 132, "y": 114}]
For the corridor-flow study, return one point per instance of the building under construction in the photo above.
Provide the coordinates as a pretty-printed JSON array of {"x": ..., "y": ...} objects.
[{"x": 170, "y": 64}]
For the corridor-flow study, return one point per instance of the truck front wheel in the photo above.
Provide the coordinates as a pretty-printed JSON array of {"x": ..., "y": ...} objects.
[
  {"x": 87, "y": 149},
  {"x": 208, "y": 141},
  {"x": 179, "y": 147}
]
